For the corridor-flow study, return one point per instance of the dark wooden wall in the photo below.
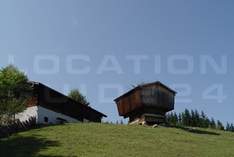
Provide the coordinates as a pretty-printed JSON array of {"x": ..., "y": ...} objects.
[{"x": 153, "y": 98}]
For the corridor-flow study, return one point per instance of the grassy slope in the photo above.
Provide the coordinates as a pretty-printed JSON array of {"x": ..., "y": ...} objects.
[{"x": 102, "y": 140}]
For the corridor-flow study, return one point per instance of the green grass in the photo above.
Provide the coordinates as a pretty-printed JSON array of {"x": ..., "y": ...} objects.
[{"x": 102, "y": 140}]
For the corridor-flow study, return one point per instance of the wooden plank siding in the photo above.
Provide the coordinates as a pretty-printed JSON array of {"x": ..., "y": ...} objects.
[
  {"x": 152, "y": 98},
  {"x": 130, "y": 103}
]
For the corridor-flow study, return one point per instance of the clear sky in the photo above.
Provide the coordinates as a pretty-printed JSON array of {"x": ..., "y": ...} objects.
[{"x": 104, "y": 47}]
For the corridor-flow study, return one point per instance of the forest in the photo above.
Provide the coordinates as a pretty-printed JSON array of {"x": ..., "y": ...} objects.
[{"x": 193, "y": 118}]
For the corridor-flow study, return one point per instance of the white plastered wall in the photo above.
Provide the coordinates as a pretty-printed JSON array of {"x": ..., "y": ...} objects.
[{"x": 40, "y": 113}]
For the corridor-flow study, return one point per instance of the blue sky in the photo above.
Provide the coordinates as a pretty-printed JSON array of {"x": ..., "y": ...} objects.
[{"x": 187, "y": 45}]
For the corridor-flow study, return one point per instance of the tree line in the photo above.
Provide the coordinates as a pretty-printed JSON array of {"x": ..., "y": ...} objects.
[{"x": 194, "y": 118}]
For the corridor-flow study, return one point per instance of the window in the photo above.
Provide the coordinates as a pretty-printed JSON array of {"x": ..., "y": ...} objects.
[{"x": 46, "y": 119}]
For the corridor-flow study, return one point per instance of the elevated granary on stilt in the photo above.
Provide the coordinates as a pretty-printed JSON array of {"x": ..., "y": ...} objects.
[{"x": 147, "y": 103}]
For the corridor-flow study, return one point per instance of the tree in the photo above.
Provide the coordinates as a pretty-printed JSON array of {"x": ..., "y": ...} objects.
[
  {"x": 220, "y": 125},
  {"x": 232, "y": 127},
  {"x": 180, "y": 119},
  {"x": 204, "y": 120},
  {"x": 228, "y": 127},
  {"x": 172, "y": 118},
  {"x": 186, "y": 118},
  {"x": 197, "y": 119},
  {"x": 193, "y": 121},
  {"x": 13, "y": 88},
  {"x": 175, "y": 118},
  {"x": 212, "y": 123},
  {"x": 77, "y": 96}
]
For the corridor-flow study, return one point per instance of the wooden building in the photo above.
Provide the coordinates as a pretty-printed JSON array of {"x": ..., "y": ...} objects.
[
  {"x": 52, "y": 107},
  {"x": 147, "y": 103}
]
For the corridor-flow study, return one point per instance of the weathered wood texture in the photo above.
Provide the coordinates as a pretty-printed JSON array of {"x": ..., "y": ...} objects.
[{"x": 152, "y": 98}]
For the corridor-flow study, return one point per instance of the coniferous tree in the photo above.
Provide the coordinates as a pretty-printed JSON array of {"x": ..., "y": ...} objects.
[
  {"x": 228, "y": 127},
  {"x": 197, "y": 119},
  {"x": 175, "y": 119},
  {"x": 232, "y": 128},
  {"x": 193, "y": 123},
  {"x": 187, "y": 118},
  {"x": 183, "y": 119},
  {"x": 203, "y": 120},
  {"x": 180, "y": 119},
  {"x": 220, "y": 125},
  {"x": 207, "y": 122},
  {"x": 169, "y": 118},
  {"x": 212, "y": 123}
]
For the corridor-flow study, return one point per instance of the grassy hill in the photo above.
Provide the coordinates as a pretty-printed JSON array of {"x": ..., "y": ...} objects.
[{"x": 102, "y": 140}]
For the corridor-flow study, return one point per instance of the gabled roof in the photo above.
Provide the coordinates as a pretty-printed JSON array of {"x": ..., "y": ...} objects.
[
  {"x": 69, "y": 104},
  {"x": 143, "y": 86}
]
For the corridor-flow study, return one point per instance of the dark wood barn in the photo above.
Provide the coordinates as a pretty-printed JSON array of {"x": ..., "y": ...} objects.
[{"x": 147, "y": 103}]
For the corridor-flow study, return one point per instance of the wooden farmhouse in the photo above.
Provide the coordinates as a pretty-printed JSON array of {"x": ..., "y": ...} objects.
[
  {"x": 49, "y": 106},
  {"x": 147, "y": 103}
]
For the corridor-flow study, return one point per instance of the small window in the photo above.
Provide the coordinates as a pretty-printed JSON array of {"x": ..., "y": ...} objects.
[{"x": 46, "y": 119}]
